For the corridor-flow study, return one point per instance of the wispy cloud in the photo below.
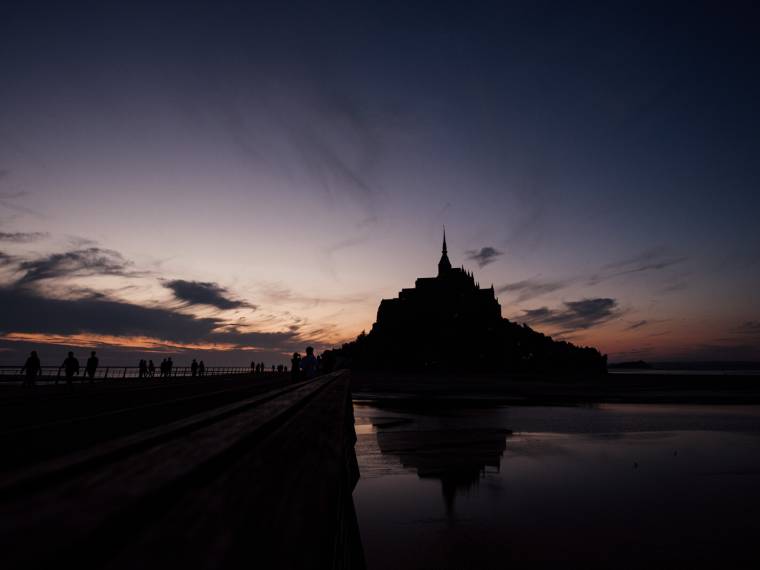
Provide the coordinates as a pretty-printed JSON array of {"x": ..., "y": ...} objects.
[
  {"x": 632, "y": 326},
  {"x": 653, "y": 259},
  {"x": 205, "y": 293},
  {"x": 575, "y": 315},
  {"x": 77, "y": 263},
  {"x": 531, "y": 288},
  {"x": 6, "y": 259},
  {"x": 278, "y": 294},
  {"x": 484, "y": 255},
  {"x": 328, "y": 138},
  {"x": 22, "y": 237},
  {"x": 8, "y": 200},
  {"x": 336, "y": 247}
]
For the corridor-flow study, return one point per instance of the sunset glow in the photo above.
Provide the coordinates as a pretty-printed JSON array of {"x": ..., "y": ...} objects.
[{"x": 268, "y": 192}]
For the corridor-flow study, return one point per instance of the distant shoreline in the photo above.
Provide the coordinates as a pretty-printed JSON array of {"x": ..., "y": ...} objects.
[
  {"x": 644, "y": 387},
  {"x": 685, "y": 372},
  {"x": 712, "y": 366}
]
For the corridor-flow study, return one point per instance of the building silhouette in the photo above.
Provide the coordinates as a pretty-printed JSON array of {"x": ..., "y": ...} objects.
[{"x": 448, "y": 322}]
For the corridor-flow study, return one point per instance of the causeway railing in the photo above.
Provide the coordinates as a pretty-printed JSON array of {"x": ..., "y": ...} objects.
[{"x": 128, "y": 372}]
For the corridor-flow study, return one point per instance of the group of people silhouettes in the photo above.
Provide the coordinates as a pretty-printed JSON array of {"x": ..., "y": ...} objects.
[
  {"x": 146, "y": 368},
  {"x": 197, "y": 368},
  {"x": 260, "y": 368},
  {"x": 70, "y": 367},
  {"x": 304, "y": 368}
]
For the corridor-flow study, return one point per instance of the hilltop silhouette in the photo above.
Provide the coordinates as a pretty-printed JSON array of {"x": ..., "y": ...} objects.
[{"x": 449, "y": 322}]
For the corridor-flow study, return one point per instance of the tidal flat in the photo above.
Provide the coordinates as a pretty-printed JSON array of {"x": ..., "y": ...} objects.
[{"x": 594, "y": 485}]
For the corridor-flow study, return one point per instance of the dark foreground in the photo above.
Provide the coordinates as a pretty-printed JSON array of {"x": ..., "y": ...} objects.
[{"x": 191, "y": 474}]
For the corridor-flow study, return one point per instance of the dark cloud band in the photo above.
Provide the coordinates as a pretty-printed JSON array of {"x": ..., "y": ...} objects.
[
  {"x": 575, "y": 315},
  {"x": 27, "y": 312},
  {"x": 204, "y": 293}
]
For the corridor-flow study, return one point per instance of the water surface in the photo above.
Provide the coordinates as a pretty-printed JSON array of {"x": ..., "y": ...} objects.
[{"x": 608, "y": 484}]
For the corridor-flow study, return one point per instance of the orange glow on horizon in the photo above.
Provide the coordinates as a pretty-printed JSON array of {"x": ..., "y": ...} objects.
[{"x": 86, "y": 340}]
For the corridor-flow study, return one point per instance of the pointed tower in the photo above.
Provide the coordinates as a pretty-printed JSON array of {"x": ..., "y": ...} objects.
[{"x": 444, "y": 265}]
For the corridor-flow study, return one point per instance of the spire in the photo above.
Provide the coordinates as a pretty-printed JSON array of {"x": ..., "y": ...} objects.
[{"x": 444, "y": 265}]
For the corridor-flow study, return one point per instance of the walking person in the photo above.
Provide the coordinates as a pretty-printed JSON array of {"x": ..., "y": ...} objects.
[
  {"x": 309, "y": 364},
  {"x": 295, "y": 367},
  {"x": 194, "y": 368},
  {"x": 151, "y": 368},
  {"x": 91, "y": 366},
  {"x": 70, "y": 368},
  {"x": 201, "y": 369},
  {"x": 32, "y": 367}
]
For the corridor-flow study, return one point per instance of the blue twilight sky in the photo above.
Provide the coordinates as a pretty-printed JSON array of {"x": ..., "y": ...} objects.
[{"x": 241, "y": 179}]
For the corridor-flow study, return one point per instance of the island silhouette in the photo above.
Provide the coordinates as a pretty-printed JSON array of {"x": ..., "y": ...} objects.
[{"x": 449, "y": 323}]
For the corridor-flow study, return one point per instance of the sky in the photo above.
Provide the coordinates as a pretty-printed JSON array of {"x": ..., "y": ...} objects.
[{"x": 235, "y": 181}]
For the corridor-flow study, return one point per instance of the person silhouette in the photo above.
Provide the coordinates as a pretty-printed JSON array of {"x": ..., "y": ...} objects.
[
  {"x": 91, "y": 366},
  {"x": 142, "y": 369},
  {"x": 194, "y": 368},
  {"x": 253, "y": 367},
  {"x": 163, "y": 368},
  {"x": 309, "y": 364},
  {"x": 295, "y": 366},
  {"x": 32, "y": 367},
  {"x": 169, "y": 365},
  {"x": 70, "y": 368},
  {"x": 151, "y": 368},
  {"x": 201, "y": 369}
]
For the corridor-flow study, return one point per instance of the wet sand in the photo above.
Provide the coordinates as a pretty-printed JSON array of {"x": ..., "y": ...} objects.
[
  {"x": 587, "y": 486},
  {"x": 443, "y": 389}
]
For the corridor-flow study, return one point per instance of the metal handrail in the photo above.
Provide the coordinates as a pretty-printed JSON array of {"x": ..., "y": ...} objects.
[{"x": 125, "y": 372}]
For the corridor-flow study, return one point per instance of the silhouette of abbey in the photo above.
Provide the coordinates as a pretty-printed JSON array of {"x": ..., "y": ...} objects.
[{"x": 448, "y": 322}]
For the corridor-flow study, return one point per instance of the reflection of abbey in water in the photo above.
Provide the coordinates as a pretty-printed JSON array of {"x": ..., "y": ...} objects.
[
  {"x": 448, "y": 322},
  {"x": 456, "y": 457}
]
